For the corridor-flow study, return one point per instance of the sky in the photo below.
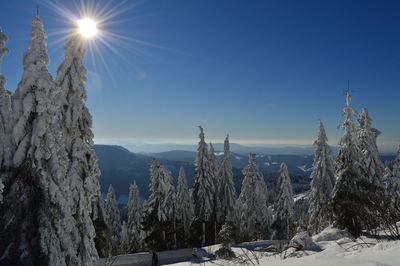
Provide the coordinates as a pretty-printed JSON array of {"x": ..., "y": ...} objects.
[{"x": 262, "y": 71}]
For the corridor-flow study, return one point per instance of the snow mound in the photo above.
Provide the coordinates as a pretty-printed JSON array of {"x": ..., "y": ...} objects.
[
  {"x": 303, "y": 241},
  {"x": 331, "y": 234}
]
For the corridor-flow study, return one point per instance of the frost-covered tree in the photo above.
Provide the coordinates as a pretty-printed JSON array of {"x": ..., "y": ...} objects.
[
  {"x": 38, "y": 226},
  {"x": 183, "y": 209},
  {"x": 135, "y": 210},
  {"x": 323, "y": 180},
  {"x": 392, "y": 178},
  {"x": 158, "y": 214},
  {"x": 169, "y": 207},
  {"x": 227, "y": 193},
  {"x": 355, "y": 198},
  {"x": 5, "y": 101},
  {"x": 396, "y": 164},
  {"x": 3, "y": 48},
  {"x": 124, "y": 246},
  {"x": 374, "y": 168},
  {"x": 216, "y": 215},
  {"x": 113, "y": 217},
  {"x": 283, "y": 224},
  {"x": 80, "y": 160},
  {"x": 254, "y": 218},
  {"x": 203, "y": 196}
]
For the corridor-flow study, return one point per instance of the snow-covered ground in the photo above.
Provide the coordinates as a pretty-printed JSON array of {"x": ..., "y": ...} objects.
[{"x": 337, "y": 249}]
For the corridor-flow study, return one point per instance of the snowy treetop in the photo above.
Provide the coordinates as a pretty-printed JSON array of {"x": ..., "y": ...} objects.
[{"x": 3, "y": 48}]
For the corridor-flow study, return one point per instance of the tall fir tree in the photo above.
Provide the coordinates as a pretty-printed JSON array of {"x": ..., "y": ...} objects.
[
  {"x": 135, "y": 210},
  {"x": 169, "y": 205},
  {"x": 323, "y": 180},
  {"x": 5, "y": 109},
  {"x": 5, "y": 102},
  {"x": 124, "y": 246},
  {"x": 158, "y": 216},
  {"x": 75, "y": 123},
  {"x": 354, "y": 197},
  {"x": 183, "y": 210},
  {"x": 374, "y": 168},
  {"x": 43, "y": 229},
  {"x": 396, "y": 164},
  {"x": 203, "y": 196},
  {"x": 392, "y": 177},
  {"x": 227, "y": 193},
  {"x": 216, "y": 215},
  {"x": 114, "y": 219},
  {"x": 283, "y": 224},
  {"x": 254, "y": 218}
]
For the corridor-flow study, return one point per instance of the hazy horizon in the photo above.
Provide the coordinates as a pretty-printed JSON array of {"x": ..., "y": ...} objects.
[{"x": 384, "y": 148}]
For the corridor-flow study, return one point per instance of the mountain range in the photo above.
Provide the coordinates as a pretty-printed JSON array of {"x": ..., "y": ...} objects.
[{"x": 121, "y": 167}]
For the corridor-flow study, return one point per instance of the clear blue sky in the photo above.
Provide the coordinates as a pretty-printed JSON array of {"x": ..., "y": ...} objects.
[{"x": 264, "y": 71}]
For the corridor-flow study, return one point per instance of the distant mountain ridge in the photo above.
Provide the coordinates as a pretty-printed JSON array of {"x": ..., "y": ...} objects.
[
  {"x": 237, "y": 148},
  {"x": 121, "y": 167}
]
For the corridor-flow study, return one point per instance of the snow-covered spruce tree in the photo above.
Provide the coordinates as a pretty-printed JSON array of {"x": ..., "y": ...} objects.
[
  {"x": 393, "y": 179},
  {"x": 203, "y": 196},
  {"x": 283, "y": 224},
  {"x": 396, "y": 164},
  {"x": 77, "y": 139},
  {"x": 114, "y": 218},
  {"x": 254, "y": 218},
  {"x": 323, "y": 180},
  {"x": 124, "y": 246},
  {"x": 158, "y": 214},
  {"x": 226, "y": 237},
  {"x": 134, "y": 219},
  {"x": 355, "y": 200},
  {"x": 169, "y": 207},
  {"x": 5, "y": 101},
  {"x": 227, "y": 193},
  {"x": 367, "y": 135},
  {"x": 216, "y": 214},
  {"x": 183, "y": 209},
  {"x": 37, "y": 223}
]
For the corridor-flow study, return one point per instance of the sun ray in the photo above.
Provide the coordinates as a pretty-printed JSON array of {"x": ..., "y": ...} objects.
[{"x": 110, "y": 37}]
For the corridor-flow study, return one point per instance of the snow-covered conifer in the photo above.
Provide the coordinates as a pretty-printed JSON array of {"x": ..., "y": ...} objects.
[
  {"x": 183, "y": 209},
  {"x": 5, "y": 102},
  {"x": 392, "y": 178},
  {"x": 227, "y": 193},
  {"x": 113, "y": 217},
  {"x": 124, "y": 246},
  {"x": 3, "y": 48},
  {"x": 374, "y": 168},
  {"x": 203, "y": 195},
  {"x": 158, "y": 215},
  {"x": 254, "y": 218},
  {"x": 323, "y": 180},
  {"x": 353, "y": 195},
  {"x": 213, "y": 167},
  {"x": 43, "y": 229},
  {"x": 134, "y": 236},
  {"x": 169, "y": 203},
  {"x": 396, "y": 164},
  {"x": 216, "y": 214},
  {"x": 283, "y": 224},
  {"x": 80, "y": 160}
]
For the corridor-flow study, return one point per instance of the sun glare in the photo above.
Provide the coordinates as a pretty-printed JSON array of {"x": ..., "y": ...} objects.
[{"x": 87, "y": 27}]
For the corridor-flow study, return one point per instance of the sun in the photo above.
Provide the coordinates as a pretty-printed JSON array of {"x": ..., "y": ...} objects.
[{"x": 87, "y": 27}]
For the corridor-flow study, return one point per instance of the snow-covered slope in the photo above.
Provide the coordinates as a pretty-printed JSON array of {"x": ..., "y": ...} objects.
[{"x": 337, "y": 249}]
